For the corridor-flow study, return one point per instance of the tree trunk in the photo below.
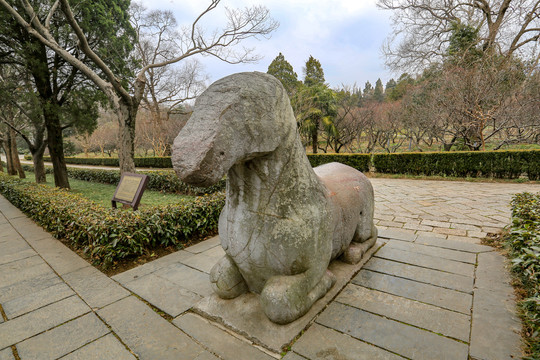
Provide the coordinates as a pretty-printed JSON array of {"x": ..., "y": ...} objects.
[
  {"x": 39, "y": 165},
  {"x": 315, "y": 139},
  {"x": 14, "y": 153},
  {"x": 126, "y": 149},
  {"x": 55, "y": 143},
  {"x": 9, "y": 163}
]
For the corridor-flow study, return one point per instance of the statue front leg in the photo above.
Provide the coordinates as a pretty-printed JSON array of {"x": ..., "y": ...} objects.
[
  {"x": 226, "y": 280},
  {"x": 286, "y": 298},
  {"x": 359, "y": 245}
]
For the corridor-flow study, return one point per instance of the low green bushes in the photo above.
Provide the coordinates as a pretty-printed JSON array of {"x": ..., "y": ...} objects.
[
  {"x": 111, "y": 234},
  {"x": 159, "y": 180},
  {"x": 523, "y": 241},
  {"x": 498, "y": 164},
  {"x": 360, "y": 162},
  {"x": 149, "y": 162}
]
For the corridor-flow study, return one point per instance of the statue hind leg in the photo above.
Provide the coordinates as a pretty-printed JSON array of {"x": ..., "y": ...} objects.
[
  {"x": 226, "y": 280},
  {"x": 362, "y": 241},
  {"x": 286, "y": 298}
]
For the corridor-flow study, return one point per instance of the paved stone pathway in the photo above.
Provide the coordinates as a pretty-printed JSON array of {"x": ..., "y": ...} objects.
[{"x": 430, "y": 292}]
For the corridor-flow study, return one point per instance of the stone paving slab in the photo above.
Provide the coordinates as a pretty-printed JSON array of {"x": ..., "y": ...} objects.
[
  {"x": 206, "y": 260},
  {"x": 73, "y": 335},
  {"x": 427, "y": 261},
  {"x": 28, "y": 286},
  {"x": 244, "y": 315},
  {"x": 94, "y": 287},
  {"x": 218, "y": 341},
  {"x": 421, "y": 274},
  {"x": 107, "y": 347},
  {"x": 6, "y": 354},
  {"x": 425, "y": 316},
  {"x": 454, "y": 245},
  {"x": 45, "y": 318},
  {"x": 429, "y": 294},
  {"x": 448, "y": 254},
  {"x": 188, "y": 278},
  {"x": 146, "y": 333},
  {"x": 320, "y": 342},
  {"x": 391, "y": 335},
  {"x": 35, "y": 300},
  {"x": 58, "y": 256}
]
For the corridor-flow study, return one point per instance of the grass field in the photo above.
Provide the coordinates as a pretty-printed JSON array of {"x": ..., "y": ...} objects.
[{"x": 103, "y": 193}]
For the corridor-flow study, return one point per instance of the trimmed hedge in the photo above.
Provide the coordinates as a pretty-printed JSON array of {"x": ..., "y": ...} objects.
[
  {"x": 498, "y": 164},
  {"x": 111, "y": 234},
  {"x": 162, "y": 180},
  {"x": 360, "y": 162},
  {"x": 148, "y": 162}
]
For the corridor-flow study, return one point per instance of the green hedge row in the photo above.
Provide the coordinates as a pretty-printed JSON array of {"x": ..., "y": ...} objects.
[
  {"x": 498, "y": 164},
  {"x": 148, "y": 162},
  {"x": 111, "y": 234},
  {"x": 162, "y": 180},
  {"x": 523, "y": 242}
]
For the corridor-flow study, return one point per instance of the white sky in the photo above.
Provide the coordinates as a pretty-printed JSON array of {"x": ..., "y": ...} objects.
[{"x": 344, "y": 35}]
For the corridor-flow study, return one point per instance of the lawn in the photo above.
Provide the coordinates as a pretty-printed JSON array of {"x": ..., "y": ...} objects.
[{"x": 103, "y": 193}]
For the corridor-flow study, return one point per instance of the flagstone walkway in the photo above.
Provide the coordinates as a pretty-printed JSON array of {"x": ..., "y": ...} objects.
[{"x": 431, "y": 291}]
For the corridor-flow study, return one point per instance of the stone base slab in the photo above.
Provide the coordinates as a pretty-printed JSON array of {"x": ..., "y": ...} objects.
[{"x": 245, "y": 316}]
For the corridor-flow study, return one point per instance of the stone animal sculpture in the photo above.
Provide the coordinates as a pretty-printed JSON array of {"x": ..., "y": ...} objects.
[{"x": 283, "y": 221}]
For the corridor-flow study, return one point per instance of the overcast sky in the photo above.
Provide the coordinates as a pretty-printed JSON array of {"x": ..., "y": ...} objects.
[{"x": 344, "y": 35}]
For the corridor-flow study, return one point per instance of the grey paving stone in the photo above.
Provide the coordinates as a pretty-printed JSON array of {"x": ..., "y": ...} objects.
[
  {"x": 403, "y": 235},
  {"x": 58, "y": 256},
  {"x": 429, "y": 317},
  {"x": 321, "y": 343},
  {"x": 107, "y": 347},
  {"x": 206, "y": 356},
  {"x": 188, "y": 278},
  {"x": 218, "y": 341},
  {"x": 495, "y": 329},
  {"x": 421, "y": 274},
  {"x": 449, "y": 244},
  {"x": 204, "y": 245},
  {"x": 22, "y": 270},
  {"x": 202, "y": 261},
  {"x": 28, "y": 228},
  {"x": 23, "y": 327},
  {"x": 293, "y": 356},
  {"x": 146, "y": 333},
  {"x": 94, "y": 287},
  {"x": 28, "y": 286},
  {"x": 152, "y": 266},
  {"x": 63, "y": 339},
  {"x": 32, "y": 301},
  {"x": 445, "y": 298},
  {"x": 20, "y": 255},
  {"x": 14, "y": 245},
  {"x": 163, "y": 294},
  {"x": 427, "y": 261},
  {"x": 6, "y": 354},
  {"x": 449, "y": 254},
  {"x": 391, "y": 335}
]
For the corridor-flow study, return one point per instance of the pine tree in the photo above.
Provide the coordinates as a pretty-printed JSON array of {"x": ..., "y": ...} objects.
[
  {"x": 313, "y": 72},
  {"x": 284, "y": 72},
  {"x": 378, "y": 93}
]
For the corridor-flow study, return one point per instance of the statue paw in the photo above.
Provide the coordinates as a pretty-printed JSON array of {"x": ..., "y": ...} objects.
[{"x": 226, "y": 280}]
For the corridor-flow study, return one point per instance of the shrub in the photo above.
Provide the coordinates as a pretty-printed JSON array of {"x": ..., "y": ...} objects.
[
  {"x": 148, "y": 162},
  {"x": 162, "y": 180},
  {"x": 360, "y": 162},
  {"x": 524, "y": 244},
  {"x": 111, "y": 234}
]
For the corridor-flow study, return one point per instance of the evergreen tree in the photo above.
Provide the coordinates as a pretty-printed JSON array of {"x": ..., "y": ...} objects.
[
  {"x": 378, "y": 93},
  {"x": 368, "y": 91},
  {"x": 313, "y": 72},
  {"x": 390, "y": 86},
  {"x": 284, "y": 72}
]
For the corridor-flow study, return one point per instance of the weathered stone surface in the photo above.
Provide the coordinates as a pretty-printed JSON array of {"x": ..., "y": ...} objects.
[
  {"x": 63, "y": 339},
  {"x": 217, "y": 340},
  {"x": 28, "y": 229},
  {"x": 19, "y": 255},
  {"x": 321, "y": 343},
  {"x": 6, "y": 354},
  {"x": 243, "y": 126},
  {"x": 433, "y": 318},
  {"x": 107, "y": 347},
  {"x": 164, "y": 294},
  {"x": 243, "y": 315},
  {"x": 421, "y": 274},
  {"x": 146, "y": 333},
  {"x": 37, "y": 321},
  {"x": 35, "y": 300},
  {"x": 186, "y": 277},
  {"x": 94, "y": 287},
  {"x": 204, "y": 261},
  {"x": 293, "y": 356},
  {"x": 204, "y": 245},
  {"x": 403, "y": 235},
  {"x": 427, "y": 261},
  {"x": 28, "y": 286},
  {"x": 449, "y": 254},
  {"x": 22, "y": 270},
  {"x": 449, "y": 244},
  {"x": 391, "y": 335},
  {"x": 58, "y": 256},
  {"x": 445, "y": 298}
]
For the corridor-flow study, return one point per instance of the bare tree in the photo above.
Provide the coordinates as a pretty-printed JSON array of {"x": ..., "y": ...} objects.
[
  {"x": 423, "y": 29},
  {"x": 242, "y": 24}
]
